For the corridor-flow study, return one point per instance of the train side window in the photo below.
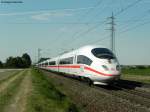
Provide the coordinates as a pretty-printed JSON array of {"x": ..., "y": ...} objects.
[
  {"x": 103, "y": 53},
  {"x": 46, "y": 63},
  {"x": 70, "y": 60},
  {"x": 61, "y": 62},
  {"x": 83, "y": 60},
  {"x": 52, "y": 63},
  {"x": 66, "y": 61}
]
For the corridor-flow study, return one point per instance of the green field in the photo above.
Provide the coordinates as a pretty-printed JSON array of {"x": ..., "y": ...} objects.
[
  {"x": 46, "y": 98},
  {"x": 29, "y": 90},
  {"x": 136, "y": 74}
]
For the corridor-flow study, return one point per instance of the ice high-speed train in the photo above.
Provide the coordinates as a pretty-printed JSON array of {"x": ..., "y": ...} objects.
[{"x": 95, "y": 63}]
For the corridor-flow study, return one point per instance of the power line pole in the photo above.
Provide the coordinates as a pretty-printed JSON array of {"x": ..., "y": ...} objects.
[
  {"x": 112, "y": 29},
  {"x": 39, "y": 54}
]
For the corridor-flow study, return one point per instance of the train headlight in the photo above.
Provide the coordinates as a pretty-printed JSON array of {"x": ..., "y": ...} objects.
[{"x": 105, "y": 67}]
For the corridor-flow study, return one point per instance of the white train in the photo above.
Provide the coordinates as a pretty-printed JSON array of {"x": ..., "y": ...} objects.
[{"x": 97, "y": 64}]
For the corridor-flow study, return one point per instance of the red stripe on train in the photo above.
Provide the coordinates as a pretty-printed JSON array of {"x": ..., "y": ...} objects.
[
  {"x": 67, "y": 66},
  {"x": 77, "y": 66},
  {"x": 90, "y": 69}
]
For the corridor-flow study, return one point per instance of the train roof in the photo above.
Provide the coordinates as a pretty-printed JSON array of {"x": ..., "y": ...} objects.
[
  {"x": 71, "y": 53},
  {"x": 82, "y": 49}
]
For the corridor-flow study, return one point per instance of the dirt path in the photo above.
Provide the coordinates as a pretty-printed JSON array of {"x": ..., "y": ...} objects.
[
  {"x": 6, "y": 83},
  {"x": 19, "y": 101}
]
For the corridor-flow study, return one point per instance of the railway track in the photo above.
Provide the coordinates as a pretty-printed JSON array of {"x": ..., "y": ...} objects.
[
  {"x": 126, "y": 92},
  {"x": 136, "y": 91},
  {"x": 133, "y": 96}
]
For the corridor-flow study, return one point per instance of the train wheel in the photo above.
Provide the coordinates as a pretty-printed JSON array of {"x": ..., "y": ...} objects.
[{"x": 89, "y": 81}]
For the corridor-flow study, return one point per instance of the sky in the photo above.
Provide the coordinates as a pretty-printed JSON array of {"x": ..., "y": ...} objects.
[{"x": 56, "y": 26}]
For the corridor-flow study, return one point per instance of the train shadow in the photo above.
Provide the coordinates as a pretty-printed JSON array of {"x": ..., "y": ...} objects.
[{"x": 122, "y": 84}]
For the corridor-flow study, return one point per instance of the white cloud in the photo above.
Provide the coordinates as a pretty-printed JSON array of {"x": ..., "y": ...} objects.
[
  {"x": 42, "y": 11},
  {"x": 48, "y": 15},
  {"x": 44, "y": 15}
]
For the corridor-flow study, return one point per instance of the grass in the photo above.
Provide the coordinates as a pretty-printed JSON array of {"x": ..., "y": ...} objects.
[
  {"x": 9, "y": 92},
  {"x": 136, "y": 71},
  {"x": 46, "y": 98},
  {"x": 8, "y": 76},
  {"x": 136, "y": 74}
]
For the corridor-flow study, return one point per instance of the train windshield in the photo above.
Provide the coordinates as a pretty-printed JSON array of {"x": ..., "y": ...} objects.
[{"x": 103, "y": 53}]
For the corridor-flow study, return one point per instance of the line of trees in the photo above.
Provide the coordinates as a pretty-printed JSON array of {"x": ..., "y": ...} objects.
[{"x": 17, "y": 62}]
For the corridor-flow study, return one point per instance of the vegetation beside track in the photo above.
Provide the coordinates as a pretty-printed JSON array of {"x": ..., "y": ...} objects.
[
  {"x": 136, "y": 74},
  {"x": 136, "y": 71},
  {"x": 46, "y": 98},
  {"x": 99, "y": 98}
]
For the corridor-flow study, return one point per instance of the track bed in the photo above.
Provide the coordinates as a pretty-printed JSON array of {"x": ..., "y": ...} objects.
[{"x": 122, "y": 97}]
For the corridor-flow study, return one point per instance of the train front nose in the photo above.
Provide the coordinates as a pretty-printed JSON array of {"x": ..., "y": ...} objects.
[
  {"x": 109, "y": 74},
  {"x": 113, "y": 71}
]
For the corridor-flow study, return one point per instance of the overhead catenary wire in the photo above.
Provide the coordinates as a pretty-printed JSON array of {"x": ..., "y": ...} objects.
[
  {"x": 107, "y": 36},
  {"x": 129, "y": 22},
  {"x": 89, "y": 11},
  {"x": 94, "y": 27},
  {"x": 83, "y": 16},
  {"x": 88, "y": 30},
  {"x": 118, "y": 13},
  {"x": 135, "y": 27},
  {"x": 142, "y": 21},
  {"x": 127, "y": 7},
  {"x": 96, "y": 5},
  {"x": 76, "y": 35}
]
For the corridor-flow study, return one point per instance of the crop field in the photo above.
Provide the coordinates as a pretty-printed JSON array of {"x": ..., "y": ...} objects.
[{"x": 31, "y": 90}]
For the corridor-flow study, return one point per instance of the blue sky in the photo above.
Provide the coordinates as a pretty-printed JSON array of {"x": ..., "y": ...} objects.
[{"x": 59, "y": 25}]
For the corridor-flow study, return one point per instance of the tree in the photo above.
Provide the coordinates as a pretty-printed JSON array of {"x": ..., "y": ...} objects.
[
  {"x": 27, "y": 60},
  {"x": 20, "y": 63},
  {"x": 10, "y": 62},
  {"x": 1, "y": 64}
]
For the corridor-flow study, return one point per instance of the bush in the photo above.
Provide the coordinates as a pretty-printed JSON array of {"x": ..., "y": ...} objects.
[
  {"x": 18, "y": 62},
  {"x": 141, "y": 67}
]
